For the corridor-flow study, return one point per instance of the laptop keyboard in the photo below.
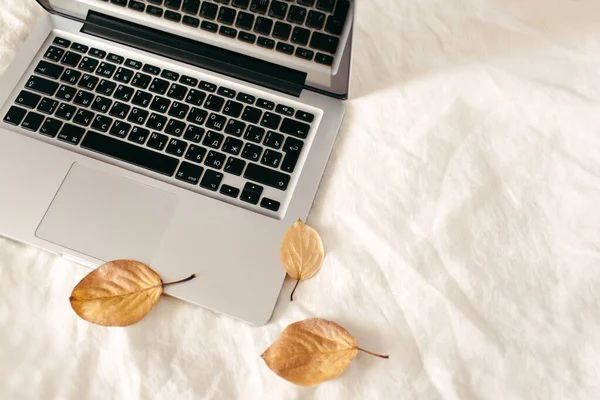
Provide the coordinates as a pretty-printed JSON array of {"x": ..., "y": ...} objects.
[
  {"x": 164, "y": 121},
  {"x": 307, "y": 29}
]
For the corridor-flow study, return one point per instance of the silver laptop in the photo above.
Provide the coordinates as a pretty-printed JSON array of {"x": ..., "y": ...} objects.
[{"x": 185, "y": 134}]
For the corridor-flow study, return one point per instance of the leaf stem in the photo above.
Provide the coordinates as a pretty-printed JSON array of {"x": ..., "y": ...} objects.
[
  {"x": 374, "y": 354},
  {"x": 292, "y": 295},
  {"x": 189, "y": 278}
]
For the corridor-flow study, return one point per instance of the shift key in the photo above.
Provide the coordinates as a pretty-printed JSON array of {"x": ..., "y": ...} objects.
[
  {"x": 267, "y": 176},
  {"x": 49, "y": 69},
  {"x": 42, "y": 85}
]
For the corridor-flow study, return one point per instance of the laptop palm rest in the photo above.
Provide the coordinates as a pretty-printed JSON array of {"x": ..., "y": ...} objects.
[{"x": 106, "y": 216}]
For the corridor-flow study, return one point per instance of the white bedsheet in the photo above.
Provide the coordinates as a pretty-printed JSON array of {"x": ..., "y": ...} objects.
[{"x": 460, "y": 212}]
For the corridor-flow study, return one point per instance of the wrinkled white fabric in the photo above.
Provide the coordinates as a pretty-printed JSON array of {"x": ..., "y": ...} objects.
[{"x": 460, "y": 212}]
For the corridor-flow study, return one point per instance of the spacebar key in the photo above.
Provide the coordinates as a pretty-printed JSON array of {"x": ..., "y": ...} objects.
[
  {"x": 267, "y": 176},
  {"x": 130, "y": 153}
]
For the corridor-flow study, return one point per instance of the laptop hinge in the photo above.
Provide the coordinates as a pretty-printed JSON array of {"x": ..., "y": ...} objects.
[{"x": 223, "y": 61}]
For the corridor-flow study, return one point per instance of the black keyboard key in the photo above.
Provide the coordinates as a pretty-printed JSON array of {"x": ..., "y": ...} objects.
[
  {"x": 208, "y": 10},
  {"x": 304, "y": 116},
  {"x": 324, "y": 59},
  {"x": 232, "y": 146},
  {"x": 240, "y": 3},
  {"x": 97, "y": 53},
  {"x": 157, "y": 141},
  {"x": 124, "y": 75},
  {"x": 172, "y": 16},
  {"x": 308, "y": 3},
  {"x": 193, "y": 133},
  {"x": 124, "y": 93},
  {"x": 213, "y": 139},
  {"x": 138, "y": 116},
  {"x": 190, "y": 6},
  {"x": 177, "y": 91},
  {"x": 335, "y": 22},
  {"x": 252, "y": 152},
  {"x": 50, "y": 127},
  {"x": 282, "y": 30},
  {"x": 151, "y": 69},
  {"x": 173, "y": 76},
  {"x": 195, "y": 154},
  {"x": 251, "y": 193},
  {"x": 233, "y": 108},
  {"x": 254, "y": 134},
  {"x": 269, "y": 204},
  {"x": 263, "y": 26},
  {"x": 265, "y": 42},
  {"x": 83, "y": 98},
  {"x": 66, "y": 93},
  {"x": 273, "y": 140},
  {"x": 133, "y": 64},
  {"x": 325, "y": 5},
  {"x": 131, "y": 153},
  {"x": 138, "y": 135},
  {"x": 54, "y": 53},
  {"x": 214, "y": 103},
  {"x": 120, "y": 129},
  {"x": 191, "y": 21},
  {"x": 207, "y": 86},
  {"x": 229, "y": 191},
  {"x": 141, "y": 80},
  {"x": 160, "y": 104},
  {"x": 216, "y": 122},
  {"x": 292, "y": 149},
  {"x": 197, "y": 116},
  {"x": 271, "y": 158},
  {"x": 28, "y": 99},
  {"x": 179, "y": 110},
  {"x": 226, "y": 31},
  {"x": 226, "y": 15},
  {"x": 70, "y": 76},
  {"x": 88, "y": 64},
  {"x": 245, "y": 98},
  {"x": 49, "y": 69},
  {"x": 189, "y": 173},
  {"x": 173, "y": 4},
  {"x": 71, "y": 134},
  {"x": 106, "y": 69},
  {"x": 223, "y": 91},
  {"x": 251, "y": 114},
  {"x": 120, "y": 110},
  {"x": 154, "y": 11},
  {"x": 278, "y": 9},
  {"x": 71, "y": 59},
  {"x": 175, "y": 127},
  {"x": 304, "y": 54},
  {"x": 106, "y": 87},
  {"x": 101, "y": 123},
  {"x": 281, "y": 109},
  {"x": 47, "y": 106},
  {"x": 267, "y": 176},
  {"x": 83, "y": 117},
  {"x": 297, "y": 15},
  {"x": 136, "y": 5},
  {"x": 295, "y": 128},
  {"x": 259, "y": 6},
  {"x": 61, "y": 42},
  {"x": 211, "y": 180},
  {"x": 262, "y": 103},
  {"x": 142, "y": 98},
  {"x": 88, "y": 82},
  {"x": 285, "y": 48},
  {"x": 121, "y": 3},
  {"x": 115, "y": 58},
  {"x": 156, "y": 122},
  {"x": 215, "y": 159},
  {"x": 176, "y": 147},
  {"x": 300, "y": 36},
  {"x": 235, "y": 166},
  {"x": 66, "y": 111},
  {"x": 41, "y": 85},
  {"x": 316, "y": 20},
  {"x": 159, "y": 86},
  {"x": 101, "y": 104},
  {"x": 235, "y": 128},
  {"x": 188, "y": 80},
  {"x": 244, "y": 20},
  {"x": 209, "y": 26},
  {"x": 32, "y": 121},
  {"x": 195, "y": 97},
  {"x": 15, "y": 115},
  {"x": 323, "y": 42}
]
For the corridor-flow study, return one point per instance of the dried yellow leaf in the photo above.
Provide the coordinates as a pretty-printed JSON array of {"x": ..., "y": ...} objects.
[
  {"x": 312, "y": 351},
  {"x": 118, "y": 293},
  {"x": 301, "y": 252}
]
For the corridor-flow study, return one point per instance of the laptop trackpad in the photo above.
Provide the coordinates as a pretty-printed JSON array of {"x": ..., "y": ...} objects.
[{"x": 106, "y": 216}]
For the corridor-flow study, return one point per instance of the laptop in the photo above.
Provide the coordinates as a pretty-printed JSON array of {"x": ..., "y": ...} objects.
[{"x": 185, "y": 134}]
